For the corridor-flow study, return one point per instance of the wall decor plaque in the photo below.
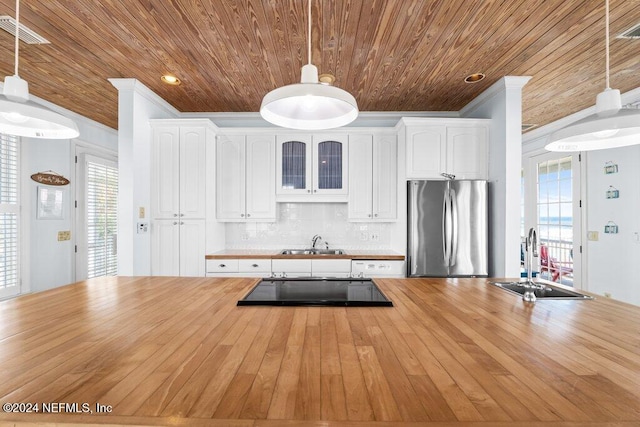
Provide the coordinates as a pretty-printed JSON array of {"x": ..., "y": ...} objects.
[{"x": 49, "y": 178}]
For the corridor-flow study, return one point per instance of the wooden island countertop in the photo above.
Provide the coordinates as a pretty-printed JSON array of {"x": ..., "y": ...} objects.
[{"x": 451, "y": 352}]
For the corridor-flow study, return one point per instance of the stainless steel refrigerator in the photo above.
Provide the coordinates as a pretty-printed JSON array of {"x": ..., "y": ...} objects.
[{"x": 447, "y": 228}]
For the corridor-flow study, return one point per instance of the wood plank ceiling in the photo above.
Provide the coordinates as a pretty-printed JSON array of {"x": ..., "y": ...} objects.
[{"x": 392, "y": 55}]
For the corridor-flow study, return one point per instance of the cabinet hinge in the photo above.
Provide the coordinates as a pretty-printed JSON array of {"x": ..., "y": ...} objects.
[
  {"x": 579, "y": 157},
  {"x": 580, "y": 248},
  {"x": 76, "y": 203},
  {"x": 76, "y": 159},
  {"x": 580, "y": 203},
  {"x": 75, "y": 248}
]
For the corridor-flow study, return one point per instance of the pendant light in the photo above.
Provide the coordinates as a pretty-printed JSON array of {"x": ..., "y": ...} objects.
[
  {"x": 610, "y": 127},
  {"x": 21, "y": 117},
  {"x": 309, "y": 105}
]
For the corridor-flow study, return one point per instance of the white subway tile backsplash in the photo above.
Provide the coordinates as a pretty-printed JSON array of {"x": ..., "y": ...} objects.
[{"x": 299, "y": 222}]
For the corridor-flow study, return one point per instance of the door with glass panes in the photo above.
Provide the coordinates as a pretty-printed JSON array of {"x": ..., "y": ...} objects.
[{"x": 312, "y": 164}]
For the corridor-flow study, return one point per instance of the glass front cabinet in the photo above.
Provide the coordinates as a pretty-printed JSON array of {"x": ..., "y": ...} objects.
[{"x": 312, "y": 165}]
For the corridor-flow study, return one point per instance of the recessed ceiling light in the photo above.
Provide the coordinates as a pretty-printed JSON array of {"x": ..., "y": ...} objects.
[
  {"x": 326, "y": 79},
  {"x": 170, "y": 80},
  {"x": 474, "y": 78}
]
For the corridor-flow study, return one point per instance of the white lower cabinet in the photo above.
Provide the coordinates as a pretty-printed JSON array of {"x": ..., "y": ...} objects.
[
  {"x": 177, "y": 247},
  {"x": 377, "y": 268},
  {"x": 331, "y": 267},
  {"x": 291, "y": 267},
  {"x": 258, "y": 267}
]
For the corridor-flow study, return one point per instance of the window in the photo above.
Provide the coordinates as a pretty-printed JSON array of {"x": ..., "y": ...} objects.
[
  {"x": 101, "y": 215},
  {"x": 9, "y": 217}
]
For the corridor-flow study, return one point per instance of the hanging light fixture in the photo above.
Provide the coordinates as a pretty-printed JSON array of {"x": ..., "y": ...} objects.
[
  {"x": 309, "y": 104},
  {"x": 21, "y": 117},
  {"x": 610, "y": 127}
]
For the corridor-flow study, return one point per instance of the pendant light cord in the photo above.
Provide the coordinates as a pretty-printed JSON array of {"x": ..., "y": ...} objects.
[
  {"x": 309, "y": 34},
  {"x": 607, "y": 42},
  {"x": 17, "y": 36}
]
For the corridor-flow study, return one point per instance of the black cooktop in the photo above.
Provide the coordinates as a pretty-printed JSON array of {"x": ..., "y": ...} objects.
[{"x": 317, "y": 292}]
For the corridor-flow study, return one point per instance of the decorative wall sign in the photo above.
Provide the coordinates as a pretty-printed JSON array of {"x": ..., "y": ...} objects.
[
  {"x": 49, "y": 178},
  {"x": 611, "y": 228},
  {"x": 610, "y": 168},
  {"x": 612, "y": 192}
]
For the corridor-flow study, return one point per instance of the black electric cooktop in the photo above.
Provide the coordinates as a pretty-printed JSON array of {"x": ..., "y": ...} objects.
[{"x": 317, "y": 292}]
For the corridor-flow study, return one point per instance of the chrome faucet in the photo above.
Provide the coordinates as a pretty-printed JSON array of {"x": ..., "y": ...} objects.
[
  {"x": 314, "y": 240},
  {"x": 531, "y": 246}
]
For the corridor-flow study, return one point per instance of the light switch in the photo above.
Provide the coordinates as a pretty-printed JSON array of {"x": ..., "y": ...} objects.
[
  {"x": 141, "y": 212},
  {"x": 592, "y": 235},
  {"x": 64, "y": 235}
]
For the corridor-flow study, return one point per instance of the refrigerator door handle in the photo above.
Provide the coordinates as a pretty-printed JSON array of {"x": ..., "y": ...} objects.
[
  {"x": 454, "y": 226},
  {"x": 446, "y": 228}
]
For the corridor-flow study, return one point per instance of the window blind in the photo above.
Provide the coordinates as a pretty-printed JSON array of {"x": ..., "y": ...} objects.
[
  {"x": 9, "y": 210},
  {"x": 102, "y": 230}
]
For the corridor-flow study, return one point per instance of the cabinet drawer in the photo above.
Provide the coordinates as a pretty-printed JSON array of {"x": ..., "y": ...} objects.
[
  {"x": 222, "y": 266},
  {"x": 254, "y": 265}
]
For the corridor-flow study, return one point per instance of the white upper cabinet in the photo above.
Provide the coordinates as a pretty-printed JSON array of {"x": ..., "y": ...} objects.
[
  {"x": 373, "y": 177},
  {"x": 312, "y": 167},
  {"x": 245, "y": 178},
  {"x": 452, "y": 146},
  {"x": 178, "y": 172}
]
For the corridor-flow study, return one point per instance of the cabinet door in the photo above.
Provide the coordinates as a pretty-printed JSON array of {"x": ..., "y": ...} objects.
[
  {"x": 467, "y": 152},
  {"x": 293, "y": 169},
  {"x": 385, "y": 166},
  {"x": 192, "y": 172},
  {"x": 330, "y": 164},
  {"x": 361, "y": 177},
  {"x": 426, "y": 151},
  {"x": 230, "y": 177},
  {"x": 165, "y": 247},
  {"x": 260, "y": 177},
  {"x": 192, "y": 247},
  {"x": 165, "y": 173}
]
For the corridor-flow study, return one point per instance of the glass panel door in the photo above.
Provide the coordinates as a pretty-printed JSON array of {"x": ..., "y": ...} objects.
[
  {"x": 294, "y": 163},
  {"x": 329, "y": 165},
  {"x": 557, "y": 218}
]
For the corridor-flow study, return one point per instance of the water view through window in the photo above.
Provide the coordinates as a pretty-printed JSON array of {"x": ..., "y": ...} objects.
[{"x": 555, "y": 219}]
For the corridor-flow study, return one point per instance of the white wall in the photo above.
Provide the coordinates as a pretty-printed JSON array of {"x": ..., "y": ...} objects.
[
  {"x": 502, "y": 103},
  {"x": 46, "y": 262},
  {"x": 136, "y": 106},
  {"x": 613, "y": 261}
]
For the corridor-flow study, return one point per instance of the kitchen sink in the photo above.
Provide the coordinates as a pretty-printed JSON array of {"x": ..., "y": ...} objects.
[
  {"x": 544, "y": 291},
  {"x": 312, "y": 252}
]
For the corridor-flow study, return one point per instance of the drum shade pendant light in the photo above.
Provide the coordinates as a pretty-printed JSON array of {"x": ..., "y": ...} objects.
[
  {"x": 21, "y": 117},
  {"x": 309, "y": 105},
  {"x": 610, "y": 127}
]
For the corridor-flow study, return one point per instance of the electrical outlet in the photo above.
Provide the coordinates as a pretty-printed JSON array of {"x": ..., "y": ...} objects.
[
  {"x": 607, "y": 294},
  {"x": 364, "y": 236},
  {"x": 64, "y": 235},
  {"x": 375, "y": 237},
  {"x": 143, "y": 227}
]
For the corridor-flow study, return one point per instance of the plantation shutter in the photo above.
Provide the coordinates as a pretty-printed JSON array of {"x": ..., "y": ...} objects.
[{"x": 9, "y": 215}]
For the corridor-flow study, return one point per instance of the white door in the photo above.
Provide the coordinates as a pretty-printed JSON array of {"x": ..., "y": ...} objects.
[
  {"x": 96, "y": 217},
  {"x": 9, "y": 217},
  {"x": 361, "y": 177},
  {"x": 260, "y": 188},
  {"x": 385, "y": 206},
  {"x": 554, "y": 210}
]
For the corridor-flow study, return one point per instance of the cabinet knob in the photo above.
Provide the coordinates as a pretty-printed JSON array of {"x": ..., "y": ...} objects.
[
  {"x": 242, "y": 215},
  {"x": 222, "y": 266},
  {"x": 181, "y": 222},
  {"x": 308, "y": 191},
  {"x": 369, "y": 215},
  {"x": 181, "y": 215},
  {"x": 376, "y": 215},
  {"x": 175, "y": 215},
  {"x": 315, "y": 191},
  {"x": 254, "y": 265},
  {"x": 248, "y": 215},
  {"x": 175, "y": 222}
]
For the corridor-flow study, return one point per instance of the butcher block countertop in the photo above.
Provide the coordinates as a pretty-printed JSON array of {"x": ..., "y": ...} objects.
[
  {"x": 387, "y": 255},
  {"x": 450, "y": 352}
]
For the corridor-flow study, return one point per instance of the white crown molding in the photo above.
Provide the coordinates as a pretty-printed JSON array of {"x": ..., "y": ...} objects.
[
  {"x": 506, "y": 82},
  {"x": 134, "y": 85}
]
